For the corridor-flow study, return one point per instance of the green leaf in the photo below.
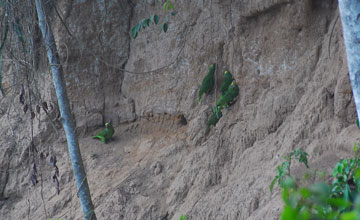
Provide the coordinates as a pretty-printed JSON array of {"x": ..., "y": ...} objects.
[
  {"x": 338, "y": 169},
  {"x": 183, "y": 217},
  {"x": 138, "y": 27},
  {"x": 349, "y": 216},
  {"x": 164, "y": 27},
  {"x": 173, "y": 13},
  {"x": 285, "y": 195},
  {"x": 134, "y": 31},
  {"x": 289, "y": 213},
  {"x": 305, "y": 193},
  {"x": 148, "y": 22},
  {"x": 338, "y": 202},
  {"x": 273, "y": 183},
  {"x": 355, "y": 145},
  {"x": 143, "y": 23},
  {"x": 357, "y": 174},
  {"x": 156, "y": 19},
  {"x": 166, "y": 4},
  {"x": 171, "y": 6},
  {"x": 347, "y": 192}
]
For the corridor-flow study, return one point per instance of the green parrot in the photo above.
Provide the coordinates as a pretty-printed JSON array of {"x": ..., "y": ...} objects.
[
  {"x": 226, "y": 82},
  {"x": 230, "y": 95},
  {"x": 106, "y": 134},
  {"x": 214, "y": 118},
  {"x": 208, "y": 82}
]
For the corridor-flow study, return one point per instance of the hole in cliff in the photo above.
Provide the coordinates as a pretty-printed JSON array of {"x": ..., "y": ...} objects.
[{"x": 182, "y": 120}]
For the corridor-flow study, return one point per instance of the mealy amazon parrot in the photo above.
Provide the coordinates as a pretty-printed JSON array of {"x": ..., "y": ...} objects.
[
  {"x": 230, "y": 95},
  {"x": 106, "y": 134},
  {"x": 226, "y": 82},
  {"x": 214, "y": 118},
  {"x": 208, "y": 82}
]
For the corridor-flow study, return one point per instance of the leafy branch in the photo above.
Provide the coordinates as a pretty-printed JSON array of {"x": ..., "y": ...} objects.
[
  {"x": 283, "y": 171},
  {"x": 339, "y": 200},
  {"x": 155, "y": 19}
]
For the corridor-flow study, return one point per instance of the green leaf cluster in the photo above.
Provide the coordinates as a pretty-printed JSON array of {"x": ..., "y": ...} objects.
[
  {"x": 346, "y": 175},
  {"x": 283, "y": 171},
  {"x": 143, "y": 24},
  {"x": 183, "y": 217},
  {"x": 337, "y": 201},
  {"x": 155, "y": 19}
]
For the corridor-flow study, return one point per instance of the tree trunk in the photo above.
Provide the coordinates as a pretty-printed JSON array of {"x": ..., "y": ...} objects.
[
  {"x": 68, "y": 123},
  {"x": 350, "y": 18}
]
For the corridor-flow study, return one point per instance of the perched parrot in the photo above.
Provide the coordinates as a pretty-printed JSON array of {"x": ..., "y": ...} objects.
[
  {"x": 105, "y": 134},
  {"x": 208, "y": 82},
  {"x": 214, "y": 118},
  {"x": 226, "y": 82},
  {"x": 230, "y": 95}
]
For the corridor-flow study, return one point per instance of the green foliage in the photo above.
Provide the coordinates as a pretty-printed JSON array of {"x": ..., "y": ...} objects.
[
  {"x": 143, "y": 24},
  {"x": 155, "y": 19},
  {"x": 346, "y": 175},
  {"x": 183, "y": 217},
  {"x": 283, "y": 171},
  {"x": 301, "y": 156},
  {"x": 335, "y": 201}
]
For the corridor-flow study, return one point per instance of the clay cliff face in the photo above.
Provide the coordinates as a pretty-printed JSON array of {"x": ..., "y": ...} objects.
[{"x": 287, "y": 57}]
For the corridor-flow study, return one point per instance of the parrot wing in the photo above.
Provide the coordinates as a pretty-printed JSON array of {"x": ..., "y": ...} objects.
[
  {"x": 109, "y": 133},
  {"x": 102, "y": 135},
  {"x": 226, "y": 83},
  {"x": 208, "y": 82}
]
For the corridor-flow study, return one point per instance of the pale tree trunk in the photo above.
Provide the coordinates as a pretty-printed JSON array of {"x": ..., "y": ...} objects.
[
  {"x": 68, "y": 123},
  {"x": 350, "y": 18}
]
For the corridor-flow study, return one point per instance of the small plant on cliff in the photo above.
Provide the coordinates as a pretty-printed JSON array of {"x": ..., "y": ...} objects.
[
  {"x": 339, "y": 200},
  {"x": 283, "y": 171},
  {"x": 154, "y": 19},
  {"x": 347, "y": 177},
  {"x": 183, "y": 217}
]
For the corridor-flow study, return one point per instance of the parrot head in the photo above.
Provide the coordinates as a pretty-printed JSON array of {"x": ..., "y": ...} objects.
[
  {"x": 212, "y": 65},
  {"x": 226, "y": 72},
  {"x": 107, "y": 125},
  {"x": 232, "y": 83}
]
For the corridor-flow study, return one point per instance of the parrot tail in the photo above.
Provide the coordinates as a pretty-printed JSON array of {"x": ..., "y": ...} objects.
[
  {"x": 199, "y": 99},
  {"x": 100, "y": 137}
]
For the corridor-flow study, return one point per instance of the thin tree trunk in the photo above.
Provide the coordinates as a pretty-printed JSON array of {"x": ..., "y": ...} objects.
[
  {"x": 350, "y": 18},
  {"x": 68, "y": 123}
]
